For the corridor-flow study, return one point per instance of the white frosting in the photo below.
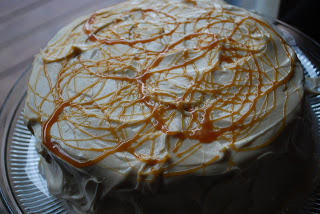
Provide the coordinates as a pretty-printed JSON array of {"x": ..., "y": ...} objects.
[{"x": 197, "y": 56}]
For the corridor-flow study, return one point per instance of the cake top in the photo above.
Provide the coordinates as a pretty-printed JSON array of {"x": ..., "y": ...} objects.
[{"x": 163, "y": 87}]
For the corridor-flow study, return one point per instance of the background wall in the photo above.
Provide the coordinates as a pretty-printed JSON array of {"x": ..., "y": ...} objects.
[{"x": 302, "y": 14}]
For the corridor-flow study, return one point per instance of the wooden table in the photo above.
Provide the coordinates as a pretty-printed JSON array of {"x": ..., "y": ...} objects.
[{"x": 27, "y": 25}]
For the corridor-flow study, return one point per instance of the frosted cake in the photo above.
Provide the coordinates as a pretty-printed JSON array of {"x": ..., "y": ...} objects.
[{"x": 149, "y": 106}]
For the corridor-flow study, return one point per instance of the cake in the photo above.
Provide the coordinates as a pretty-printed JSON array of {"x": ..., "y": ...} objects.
[{"x": 161, "y": 106}]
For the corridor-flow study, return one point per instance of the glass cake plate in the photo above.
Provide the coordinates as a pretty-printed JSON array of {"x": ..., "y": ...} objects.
[{"x": 24, "y": 190}]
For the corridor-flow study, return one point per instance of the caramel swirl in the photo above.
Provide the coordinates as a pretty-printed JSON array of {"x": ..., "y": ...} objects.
[{"x": 161, "y": 83}]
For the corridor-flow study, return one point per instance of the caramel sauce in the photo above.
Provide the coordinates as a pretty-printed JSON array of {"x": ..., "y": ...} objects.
[
  {"x": 88, "y": 30},
  {"x": 206, "y": 131}
]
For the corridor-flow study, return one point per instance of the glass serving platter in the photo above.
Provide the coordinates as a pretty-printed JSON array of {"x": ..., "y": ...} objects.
[{"x": 24, "y": 190}]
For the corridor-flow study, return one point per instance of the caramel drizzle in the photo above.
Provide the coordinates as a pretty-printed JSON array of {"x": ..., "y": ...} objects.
[{"x": 206, "y": 132}]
